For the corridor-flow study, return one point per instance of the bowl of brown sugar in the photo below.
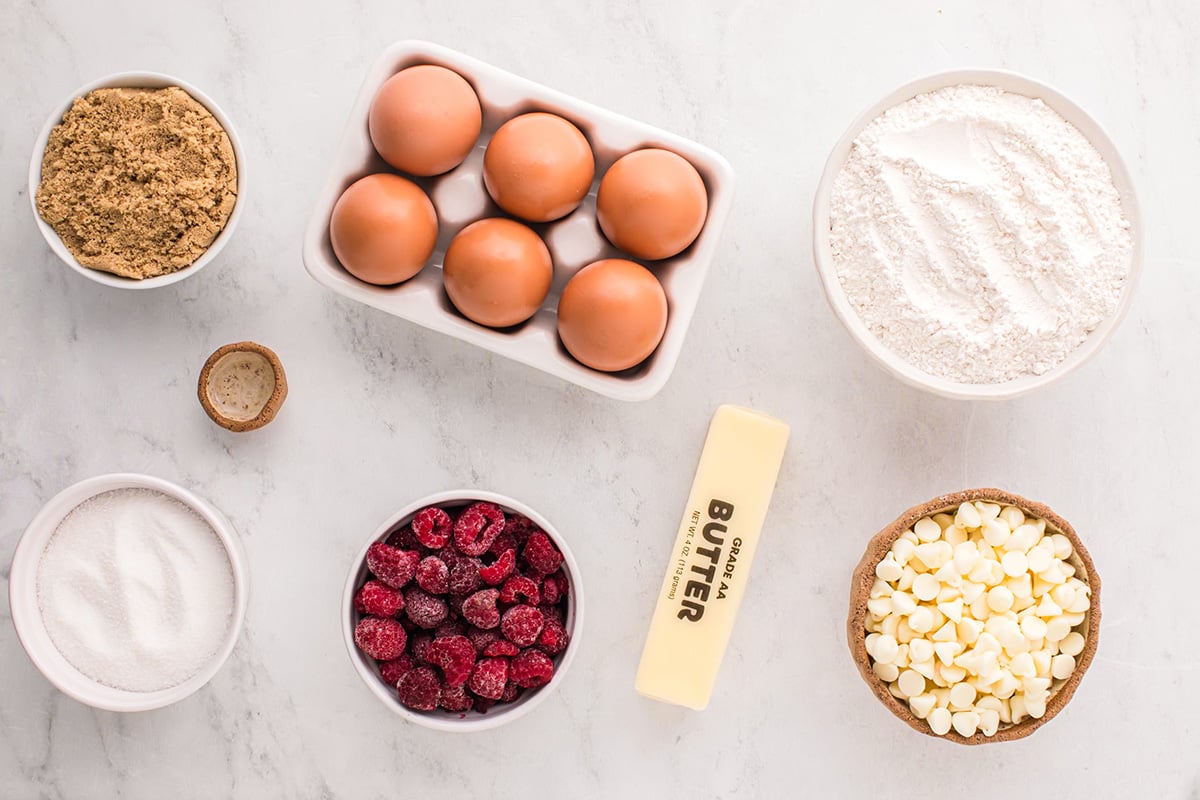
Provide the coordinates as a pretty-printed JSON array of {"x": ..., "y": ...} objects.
[{"x": 136, "y": 180}]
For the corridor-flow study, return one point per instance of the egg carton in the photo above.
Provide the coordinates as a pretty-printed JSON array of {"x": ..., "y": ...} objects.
[{"x": 574, "y": 241}]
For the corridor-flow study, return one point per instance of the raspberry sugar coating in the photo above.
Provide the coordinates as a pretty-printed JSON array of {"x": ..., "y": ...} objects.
[{"x": 450, "y": 631}]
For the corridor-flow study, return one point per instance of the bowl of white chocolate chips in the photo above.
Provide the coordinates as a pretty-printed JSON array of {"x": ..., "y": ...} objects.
[{"x": 974, "y": 616}]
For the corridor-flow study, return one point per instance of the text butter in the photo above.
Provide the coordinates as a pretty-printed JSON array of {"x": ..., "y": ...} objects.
[{"x": 710, "y": 561}]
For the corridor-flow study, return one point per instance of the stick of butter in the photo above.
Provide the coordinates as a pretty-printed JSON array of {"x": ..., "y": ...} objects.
[{"x": 711, "y": 559}]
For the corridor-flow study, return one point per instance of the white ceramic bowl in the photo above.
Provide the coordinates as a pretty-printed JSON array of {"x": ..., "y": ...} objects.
[
  {"x": 574, "y": 241},
  {"x": 139, "y": 80},
  {"x": 827, "y": 271},
  {"x": 27, "y": 618},
  {"x": 501, "y": 713}
]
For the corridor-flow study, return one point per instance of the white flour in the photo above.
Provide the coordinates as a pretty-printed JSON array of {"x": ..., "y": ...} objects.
[
  {"x": 136, "y": 590},
  {"x": 978, "y": 234}
]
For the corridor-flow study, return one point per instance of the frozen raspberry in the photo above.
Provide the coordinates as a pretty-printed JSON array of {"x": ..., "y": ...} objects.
[
  {"x": 378, "y": 599},
  {"x": 455, "y": 601},
  {"x": 420, "y": 648},
  {"x": 464, "y": 575},
  {"x": 505, "y": 541},
  {"x": 455, "y": 655},
  {"x": 481, "y": 638},
  {"x": 551, "y": 612},
  {"x": 432, "y": 527},
  {"x": 553, "y": 638},
  {"x": 477, "y": 527},
  {"x": 480, "y": 609},
  {"x": 541, "y": 555},
  {"x": 501, "y": 647},
  {"x": 381, "y": 639},
  {"x": 500, "y": 570},
  {"x": 392, "y": 671},
  {"x": 518, "y": 588},
  {"x": 511, "y": 692},
  {"x": 404, "y": 539},
  {"x": 531, "y": 668},
  {"x": 424, "y": 609},
  {"x": 519, "y": 527},
  {"x": 393, "y": 566},
  {"x": 456, "y": 700},
  {"x": 433, "y": 575},
  {"x": 451, "y": 627},
  {"x": 554, "y": 588},
  {"x": 522, "y": 625},
  {"x": 482, "y": 704},
  {"x": 420, "y": 689},
  {"x": 489, "y": 677}
]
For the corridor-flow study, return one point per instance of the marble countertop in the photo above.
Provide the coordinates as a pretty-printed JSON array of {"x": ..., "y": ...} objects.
[{"x": 380, "y": 412}]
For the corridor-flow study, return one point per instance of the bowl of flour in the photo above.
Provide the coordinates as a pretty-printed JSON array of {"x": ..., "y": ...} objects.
[
  {"x": 128, "y": 592},
  {"x": 977, "y": 233}
]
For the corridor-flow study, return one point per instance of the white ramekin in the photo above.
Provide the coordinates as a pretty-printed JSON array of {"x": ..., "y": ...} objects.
[
  {"x": 27, "y": 617},
  {"x": 501, "y": 713},
  {"x": 827, "y": 271},
  {"x": 138, "y": 80}
]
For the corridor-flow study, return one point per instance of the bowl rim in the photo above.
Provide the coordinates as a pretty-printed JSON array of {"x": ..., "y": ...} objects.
[
  {"x": 498, "y": 716},
  {"x": 827, "y": 272},
  {"x": 148, "y": 80},
  {"x": 27, "y": 619},
  {"x": 864, "y": 577}
]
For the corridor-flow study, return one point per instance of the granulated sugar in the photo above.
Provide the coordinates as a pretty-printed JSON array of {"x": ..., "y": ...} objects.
[
  {"x": 136, "y": 590},
  {"x": 978, "y": 234}
]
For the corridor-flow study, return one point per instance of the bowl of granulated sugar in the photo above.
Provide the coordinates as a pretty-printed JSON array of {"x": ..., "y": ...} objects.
[
  {"x": 128, "y": 591},
  {"x": 977, "y": 233}
]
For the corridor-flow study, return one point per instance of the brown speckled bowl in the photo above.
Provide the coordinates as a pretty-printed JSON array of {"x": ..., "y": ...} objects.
[
  {"x": 262, "y": 402},
  {"x": 864, "y": 578}
]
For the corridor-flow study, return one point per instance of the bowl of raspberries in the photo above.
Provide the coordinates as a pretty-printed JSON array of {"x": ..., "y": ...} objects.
[{"x": 463, "y": 610}]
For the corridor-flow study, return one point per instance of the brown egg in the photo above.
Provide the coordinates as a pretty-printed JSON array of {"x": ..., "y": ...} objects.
[
  {"x": 651, "y": 203},
  {"x": 612, "y": 314},
  {"x": 538, "y": 167},
  {"x": 424, "y": 120},
  {"x": 497, "y": 272},
  {"x": 383, "y": 229}
]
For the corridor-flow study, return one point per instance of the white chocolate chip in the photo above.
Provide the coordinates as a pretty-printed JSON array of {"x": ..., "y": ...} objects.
[
  {"x": 1061, "y": 666},
  {"x": 1032, "y": 627},
  {"x": 989, "y": 722},
  {"x": 921, "y": 650},
  {"x": 927, "y": 530},
  {"x": 926, "y": 587},
  {"x": 888, "y": 569},
  {"x": 962, "y": 695},
  {"x": 921, "y": 705},
  {"x": 912, "y": 683},
  {"x": 996, "y": 533},
  {"x": 1062, "y": 546},
  {"x": 1015, "y": 563},
  {"x": 886, "y": 649},
  {"x": 947, "y": 651},
  {"x": 903, "y": 603},
  {"x": 939, "y": 721},
  {"x": 886, "y": 672},
  {"x": 921, "y": 620},
  {"x": 1013, "y": 516},
  {"x": 1039, "y": 559},
  {"x": 999, "y": 598},
  {"x": 902, "y": 551},
  {"x": 1071, "y": 644},
  {"x": 966, "y": 723},
  {"x": 951, "y": 608},
  {"x": 968, "y": 517}
]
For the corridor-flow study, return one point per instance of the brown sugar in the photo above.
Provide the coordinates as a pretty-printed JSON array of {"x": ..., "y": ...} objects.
[{"x": 137, "y": 182}]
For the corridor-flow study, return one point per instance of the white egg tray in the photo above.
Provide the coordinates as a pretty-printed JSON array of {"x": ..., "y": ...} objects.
[{"x": 574, "y": 241}]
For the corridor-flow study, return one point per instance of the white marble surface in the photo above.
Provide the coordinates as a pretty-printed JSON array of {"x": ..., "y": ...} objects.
[{"x": 95, "y": 380}]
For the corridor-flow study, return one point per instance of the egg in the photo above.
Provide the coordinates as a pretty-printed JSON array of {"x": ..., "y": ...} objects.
[
  {"x": 424, "y": 120},
  {"x": 497, "y": 272},
  {"x": 383, "y": 229},
  {"x": 612, "y": 314},
  {"x": 538, "y": 167},
  {"x": 652, "y": 204}
]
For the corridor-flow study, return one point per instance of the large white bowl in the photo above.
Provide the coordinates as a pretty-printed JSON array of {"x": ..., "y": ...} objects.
[
  {"x": 137, "y": 80},
  {"x": 501, "y": 713},
  {"x": 27, "y": 617},
  {"x": 827, "y": 271},
  {"x": 574, "y": 241}
]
